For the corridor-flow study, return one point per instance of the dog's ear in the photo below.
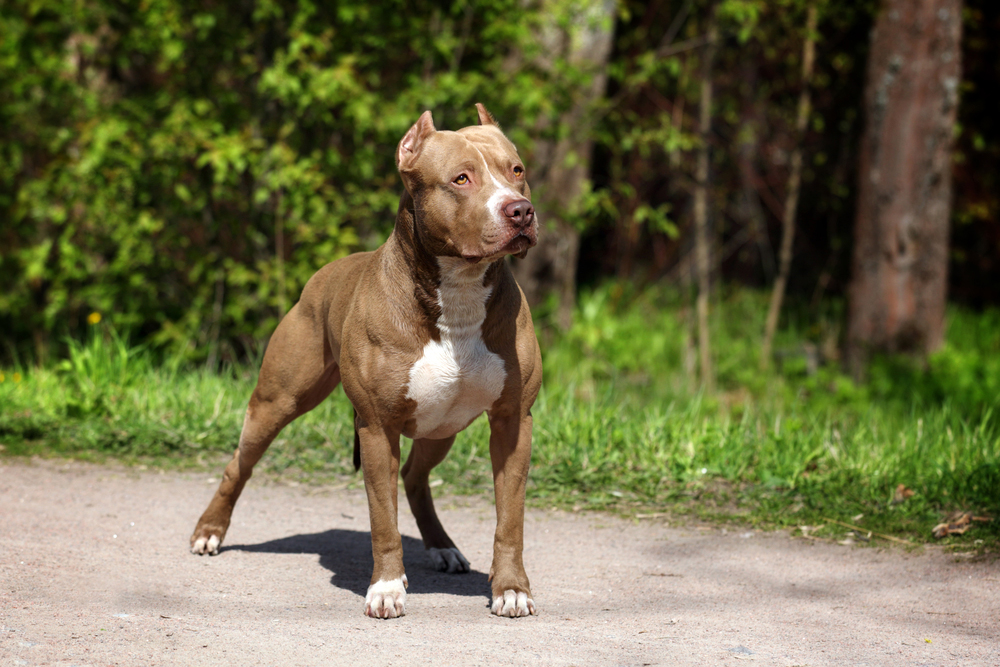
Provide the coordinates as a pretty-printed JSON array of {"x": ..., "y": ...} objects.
[
  {"x": 413, "y": 141},
  {"x": 485, "y": 117}
]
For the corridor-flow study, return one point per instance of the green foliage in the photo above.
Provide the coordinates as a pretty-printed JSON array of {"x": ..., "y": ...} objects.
[
  {"x": 618, "y": 415},
  {"x": 647, "y": 133},
  {"x": 109, "y": 398},
  {"x": 964, "y": 374},
  {"x": 642, "y": 339},
  {"x": 742, "y": 16},
  {"x": 183, "y": 168},
  {"x": 618, "y": 422}
]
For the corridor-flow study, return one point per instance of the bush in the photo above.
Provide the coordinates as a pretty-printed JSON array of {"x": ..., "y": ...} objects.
[{"x": 183, "y": 168}]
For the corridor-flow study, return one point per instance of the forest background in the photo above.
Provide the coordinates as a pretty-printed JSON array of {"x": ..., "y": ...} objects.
[
  {"x": 183, "y": 168},
  {"x": 176, "y": 171}
]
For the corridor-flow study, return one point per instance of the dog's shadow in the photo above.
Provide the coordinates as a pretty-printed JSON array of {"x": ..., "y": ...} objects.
[{"x": 348, "y": 555}]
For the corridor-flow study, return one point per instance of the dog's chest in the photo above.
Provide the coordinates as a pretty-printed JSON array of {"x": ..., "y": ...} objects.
[{"x": 456, "y": 378}]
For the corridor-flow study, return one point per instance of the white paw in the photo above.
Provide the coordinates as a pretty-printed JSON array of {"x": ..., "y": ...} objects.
[
  {"x": 448, "y": 560},
  {"x": 386, "y": 599},
  {"x": 208, "y": 546},
  {"x": 513, "y": 605}
]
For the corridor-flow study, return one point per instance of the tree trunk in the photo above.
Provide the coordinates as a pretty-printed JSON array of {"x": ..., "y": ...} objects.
[
  {"x": 900, "y": 262},
  {"x": 563, "y": 166},
  {"x": 701, "y": 203},
  {"x": 792, "y": 194}
]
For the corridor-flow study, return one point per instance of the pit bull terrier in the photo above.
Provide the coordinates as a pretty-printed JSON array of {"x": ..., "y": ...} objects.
[{"x": 425, "y": 334}]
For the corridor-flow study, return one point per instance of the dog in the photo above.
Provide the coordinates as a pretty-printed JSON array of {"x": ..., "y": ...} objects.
[{"x": 425, "y": 334}]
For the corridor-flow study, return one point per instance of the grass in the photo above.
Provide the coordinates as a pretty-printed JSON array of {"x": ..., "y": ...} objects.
[{"x": 619, "y": 424}]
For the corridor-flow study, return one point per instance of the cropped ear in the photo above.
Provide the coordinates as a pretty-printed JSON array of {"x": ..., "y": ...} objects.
[
  {"x": 485, "y": 117},
  {"x": 413, "y": 141}
]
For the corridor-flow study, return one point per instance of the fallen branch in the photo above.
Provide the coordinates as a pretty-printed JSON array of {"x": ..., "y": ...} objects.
[{"x": 862, "y": 530}]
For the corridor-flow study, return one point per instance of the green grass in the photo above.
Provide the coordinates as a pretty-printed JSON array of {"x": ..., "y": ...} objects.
[{"x": 619, "y": 424}]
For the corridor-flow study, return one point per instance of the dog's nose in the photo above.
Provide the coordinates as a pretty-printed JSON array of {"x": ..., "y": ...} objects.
[{"x": 520, "y": 212}]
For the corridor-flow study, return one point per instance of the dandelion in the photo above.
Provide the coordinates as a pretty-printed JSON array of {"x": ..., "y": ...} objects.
[
  {"x": 16, "y": 377},
  {"x": 2, "y": 378},
  {"x": 94, "y": 317}
]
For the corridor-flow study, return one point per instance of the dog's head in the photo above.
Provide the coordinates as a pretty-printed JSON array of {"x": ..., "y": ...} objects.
[{"x": 469, "y": 188}]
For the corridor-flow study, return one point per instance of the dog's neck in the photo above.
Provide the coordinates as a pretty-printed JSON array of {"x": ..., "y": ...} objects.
[{"x": 446, "y": 289}]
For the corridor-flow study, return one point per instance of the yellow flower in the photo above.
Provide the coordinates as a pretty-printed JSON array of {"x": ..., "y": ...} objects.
[
  {"x": 94, "y": 317},
  {"x": 16, "y": 377},
  {"x": 2, "y": 377}
]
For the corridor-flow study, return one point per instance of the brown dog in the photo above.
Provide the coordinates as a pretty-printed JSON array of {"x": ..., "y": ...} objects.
[{"x": 426, "y": 334}]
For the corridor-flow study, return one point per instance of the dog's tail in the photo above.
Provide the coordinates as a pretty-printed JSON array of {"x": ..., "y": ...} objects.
[{"x": 357, "y": 444}]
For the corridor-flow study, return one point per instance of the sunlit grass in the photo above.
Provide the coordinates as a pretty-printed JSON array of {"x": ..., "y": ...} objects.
[{"x": 619, "y": 424}]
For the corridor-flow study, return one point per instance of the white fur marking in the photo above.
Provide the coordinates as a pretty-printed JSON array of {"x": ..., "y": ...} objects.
[
  {"x": 448, "y": 560},
  {"x": 208, "y": 546},
  {"x": 457, "y": 378},
  {"x": 513, "y": 605},
  {"x": 386, "y": 599},
  {"x": 501, "y": 194}
]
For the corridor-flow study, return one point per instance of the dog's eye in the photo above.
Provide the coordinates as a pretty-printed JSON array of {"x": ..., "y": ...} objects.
[
  {"x": 519, "y": 171},
  {"x": 461, "y": 180}
]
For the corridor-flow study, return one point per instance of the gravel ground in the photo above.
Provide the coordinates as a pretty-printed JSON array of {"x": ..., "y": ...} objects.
[{"x": 94, "y": 570}]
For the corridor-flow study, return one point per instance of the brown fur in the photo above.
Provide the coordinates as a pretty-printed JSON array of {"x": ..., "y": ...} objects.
[{"x": 364, "y": 320}]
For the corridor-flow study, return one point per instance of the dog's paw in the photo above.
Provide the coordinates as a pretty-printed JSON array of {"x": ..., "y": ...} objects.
[
  {"x": 206, "y": 545},
  {"x": 386, "y": 599},
  {"x": 448, "y": 560},
  {"x": 513, "y": 605}
]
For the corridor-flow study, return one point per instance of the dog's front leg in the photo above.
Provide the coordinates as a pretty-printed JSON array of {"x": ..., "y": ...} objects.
[
  {"x": 510, "y": 453},
  {"x": 386, "y": 596}
]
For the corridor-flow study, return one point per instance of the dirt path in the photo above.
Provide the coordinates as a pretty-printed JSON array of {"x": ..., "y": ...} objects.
[{"x": 94, "y": 570}]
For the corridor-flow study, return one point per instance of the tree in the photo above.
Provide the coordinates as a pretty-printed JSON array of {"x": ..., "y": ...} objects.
[
  {"x": 579, "y": 34},
  {"x": 897, "y": 293},
  {"x": 701, "y": 202},
  {"x": 792, "y": 194}
]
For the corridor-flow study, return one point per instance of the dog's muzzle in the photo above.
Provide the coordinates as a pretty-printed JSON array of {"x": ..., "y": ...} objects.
[{"x": 519, "y": 214}]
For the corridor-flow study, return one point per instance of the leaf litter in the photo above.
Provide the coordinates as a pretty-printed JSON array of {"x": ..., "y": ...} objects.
[{"x": 957, "y": 523}]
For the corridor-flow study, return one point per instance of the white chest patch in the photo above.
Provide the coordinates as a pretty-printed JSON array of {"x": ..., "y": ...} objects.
[{"x": 457, "y": 378}]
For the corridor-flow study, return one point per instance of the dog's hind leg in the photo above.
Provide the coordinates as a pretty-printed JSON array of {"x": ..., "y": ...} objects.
[
  {"x": 297, "y": 374},
  {"x": 424, "y": 456}
]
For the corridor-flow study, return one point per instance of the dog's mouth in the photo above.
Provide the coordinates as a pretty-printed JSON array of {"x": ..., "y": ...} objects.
[
  {"x": 517, "y": 245},
  {"x": 519, "y": 242}
]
